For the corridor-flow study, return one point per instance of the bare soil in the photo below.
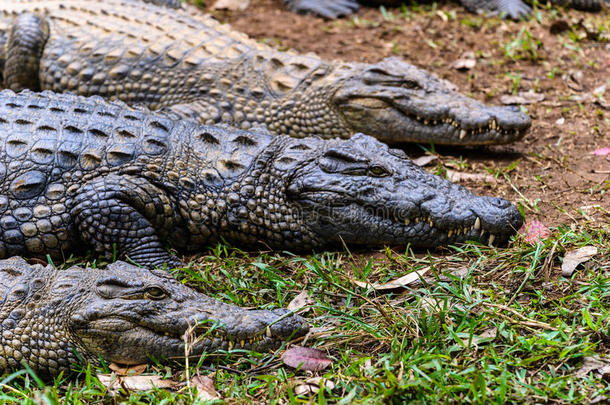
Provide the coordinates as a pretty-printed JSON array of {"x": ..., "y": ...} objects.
[{"x": 557, "y": 178}]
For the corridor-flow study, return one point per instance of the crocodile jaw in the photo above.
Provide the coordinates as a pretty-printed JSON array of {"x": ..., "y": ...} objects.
[
  {"x": 361, "y": 192},
  {"x": 397, "y": 102}
]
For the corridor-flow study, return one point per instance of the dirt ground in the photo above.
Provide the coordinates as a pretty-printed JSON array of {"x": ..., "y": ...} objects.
[{"x": 558, "y": 56}]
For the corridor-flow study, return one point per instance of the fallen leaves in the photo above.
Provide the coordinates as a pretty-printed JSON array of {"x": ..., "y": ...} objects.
[
  {"x": 601, "y": 152},
  {"x": 466, "y": 62},
  {"x": 301, "y": 302},
  {"x": 401, "y": 282},
  {"x": 312, "y": 386},
  {"x": 599, "y": 367},
  {"x": 232, "y": 5},
  {"x": 205, "y": 388},
  {"x": 575, "y": 257},
  {"x": 524, "y": 97},
  {"x": 306, "y": 358},
  {"x": 457, "y": 177},
  {"x": 114, "y": 382},
  {"x": 424, "y": 160},
  {"x": 534, "y": 232}
]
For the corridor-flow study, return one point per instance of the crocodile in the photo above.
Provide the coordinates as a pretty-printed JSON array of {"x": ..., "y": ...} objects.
[
  {"x": 162, "y": 58},
  {"x": 54, "y": 319},
  {"x": 514, "y": 9},
  {"x": 124, "y": 182}
]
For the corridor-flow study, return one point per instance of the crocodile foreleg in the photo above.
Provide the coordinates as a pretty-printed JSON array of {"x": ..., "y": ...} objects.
[{"x": 126, "y": 215}]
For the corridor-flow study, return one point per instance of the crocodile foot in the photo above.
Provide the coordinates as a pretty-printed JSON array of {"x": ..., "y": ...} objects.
[{"x": 323, "y": 8}]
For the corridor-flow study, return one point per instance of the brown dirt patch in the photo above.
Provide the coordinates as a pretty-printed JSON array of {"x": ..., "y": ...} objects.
[{"x": 555, "y": 164}]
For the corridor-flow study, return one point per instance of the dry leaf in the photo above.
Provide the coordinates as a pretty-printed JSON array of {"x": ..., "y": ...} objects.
[
  {"x": 466, "y": 62},
  {"x": 524, "y": 97},
  {"x": 306, "y": 358},
  {"x": 433, "y": 305},
  {"x": 136, "y": 382},
  {"x": 534, "y": 232},
  {"x": 312, "y": 386},
  {"x": 205, "y": 388},
  {"x": 424, "y": 160},
  {"x": 457, "y": 177},
  {"x": 601, "y": 152},
  {"x": 127, "y": 370},
  {"x": 401, "y": 282},
  {"x": 600, "y": 367},
  {"x": 301, "y": 301},
  {"x": 233, "y": 5},
  {"x": 575, "y": 257}
]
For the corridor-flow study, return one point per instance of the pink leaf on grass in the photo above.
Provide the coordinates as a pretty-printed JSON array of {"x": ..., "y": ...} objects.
[
  {"x": 534, "y": 232},
  {"x": 306, "y": 358},
  {"x": 601, "y": 152}
]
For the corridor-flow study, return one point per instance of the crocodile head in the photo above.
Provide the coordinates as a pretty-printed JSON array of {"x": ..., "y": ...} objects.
[
  {"x": 128, "y": 314},
  {"x": 397, "y": 102},
  {"x": 359, "y": 191}
]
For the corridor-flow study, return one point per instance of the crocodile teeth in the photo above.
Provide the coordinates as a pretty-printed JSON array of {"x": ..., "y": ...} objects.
[
  {"x": 492, "y": 237},
  {"x": 242, "y": 343},
  {"x": 268, "y": 331},
  {"x": 477, "y": 224},
  {"x": 230, "y": 346},
  {"x": 450, "y": 233},
  {"x": 407, "y": 221},
  {"x": 462, "y": 134}
]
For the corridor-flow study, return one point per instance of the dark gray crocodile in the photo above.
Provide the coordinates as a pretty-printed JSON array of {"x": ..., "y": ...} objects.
[
  {"x": 167, "y": 58},
  {"x": 52, "y": 319},
  {"x": 515, "y": 9},
  {"x": 77, "y": 170}
]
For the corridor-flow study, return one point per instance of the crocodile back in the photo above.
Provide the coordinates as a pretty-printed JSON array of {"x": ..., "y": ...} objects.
[
  {"x": 51, "y": 145},
  {"x": 142, "y": 53}
]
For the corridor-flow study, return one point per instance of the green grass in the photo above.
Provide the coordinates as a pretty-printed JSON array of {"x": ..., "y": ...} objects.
[{"x": 509, "y": 327}]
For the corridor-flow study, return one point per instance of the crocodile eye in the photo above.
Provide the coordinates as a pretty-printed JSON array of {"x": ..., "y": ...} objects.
[
  {"x": 378, "y": 171},
  {"x": 155, "y": 293}
]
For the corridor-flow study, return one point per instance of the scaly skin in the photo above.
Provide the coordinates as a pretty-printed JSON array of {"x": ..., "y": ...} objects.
[
  {"x": 515, "y": 9},
  {"x": 165, "y": 58},
  {"x": 78, "y": 172},
  {"x": 122, "y": 314}
]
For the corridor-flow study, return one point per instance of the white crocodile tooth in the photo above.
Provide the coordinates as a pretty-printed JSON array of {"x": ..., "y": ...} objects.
[
  {"x": 462, "y": 134},
  {"x": 482, "y": 232},
  {"x": 426, "y": 122},
  {"x": 477, "y": 224},
  {"x": 417, "y": 220},
  {"x": 268, "y": 331},
  {"x": 230, "y": 346},
  {"x": 431, "y": 223},
  {"x": 166, "y": 333},
  {"x": 407, "y": 221},
  {"x": 242, "y": 343},
  {"x": 492, "y": 237},
  {"x": 450, "y": 233}
]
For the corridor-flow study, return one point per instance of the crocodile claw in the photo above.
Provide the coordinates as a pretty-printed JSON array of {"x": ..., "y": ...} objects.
[{"x": 324, "y": 8}]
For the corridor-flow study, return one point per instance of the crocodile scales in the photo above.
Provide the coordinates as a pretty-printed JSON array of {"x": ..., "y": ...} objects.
[
  {"x": 122, "y": 314},
  {"x": 125, "y": 182},
  {"x": 160, "y": 57}
]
